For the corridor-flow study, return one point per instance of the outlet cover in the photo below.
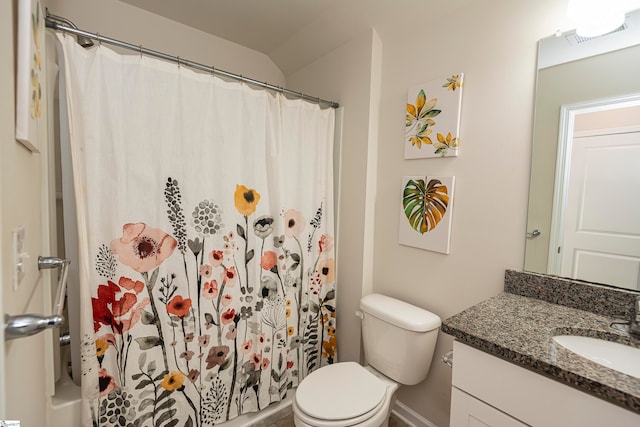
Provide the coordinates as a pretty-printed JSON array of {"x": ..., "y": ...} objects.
[{"x": 19, "y": 256}]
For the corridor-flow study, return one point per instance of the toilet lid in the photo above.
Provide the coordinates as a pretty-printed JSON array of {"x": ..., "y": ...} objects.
[{"x": 339, "y": 391}]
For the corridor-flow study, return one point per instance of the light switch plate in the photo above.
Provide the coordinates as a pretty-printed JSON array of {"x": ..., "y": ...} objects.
[{"x": 19, "y": 256}]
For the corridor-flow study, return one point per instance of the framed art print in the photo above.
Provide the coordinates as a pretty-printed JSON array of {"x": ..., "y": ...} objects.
[
  {"x": 426, "y": 211},
  {"x": 30, "y": 123},
  {"x": 433, "y": 118}
]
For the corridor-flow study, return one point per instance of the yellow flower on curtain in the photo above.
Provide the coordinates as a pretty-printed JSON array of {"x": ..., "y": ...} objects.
[
  {"x": 172, "y": 380},
  {"x": 101, "y": 347},
  {"x": 246, "y": 200}
]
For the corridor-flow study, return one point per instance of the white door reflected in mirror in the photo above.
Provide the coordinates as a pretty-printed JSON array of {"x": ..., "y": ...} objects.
[{"x": 595, "y": 232}]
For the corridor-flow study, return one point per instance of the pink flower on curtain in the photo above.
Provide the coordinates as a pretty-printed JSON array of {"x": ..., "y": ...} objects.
[
  {"x": 217, "y": 355},
  {"x": 256, "y": 360},
  {"x": 294, "y": 223},
  {"x": 105, "y": 382},
  {"x": 246, "y": 346},
  {"x": 210, "y": 290},
  {"x": 216, "y": 258},
  {"x": 265, "y": 363},
  {"x": 143, "y": 248},
  {"x": 326, "y": 270},
  {"x": 232, "y": 333},
  {"x": 205, "y": 270},
  {"x": 268, "y": 260},
  {"x": 226, "y": 300},
  {"x": 228, "y": 277},
  {"x": 325, "y": 243}
]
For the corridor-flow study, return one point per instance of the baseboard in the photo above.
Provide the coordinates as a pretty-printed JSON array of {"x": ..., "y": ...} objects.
[{"x": 409, "y": 416}]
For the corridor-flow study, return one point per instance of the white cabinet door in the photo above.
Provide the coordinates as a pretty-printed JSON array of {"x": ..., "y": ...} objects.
[
  {"x": 527, "y": 397},
  {"x": 467, "y": 411}
]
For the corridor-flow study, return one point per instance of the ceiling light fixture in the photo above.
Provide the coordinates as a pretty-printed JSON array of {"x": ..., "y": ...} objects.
[{"x": 597, "y": 17}]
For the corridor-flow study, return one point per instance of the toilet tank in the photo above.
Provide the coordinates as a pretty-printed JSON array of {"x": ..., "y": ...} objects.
[{"x": 399, "y": 338}]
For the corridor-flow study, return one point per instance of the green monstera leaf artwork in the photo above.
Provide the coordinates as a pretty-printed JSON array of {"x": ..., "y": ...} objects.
[{"x": 425, "y": 203}]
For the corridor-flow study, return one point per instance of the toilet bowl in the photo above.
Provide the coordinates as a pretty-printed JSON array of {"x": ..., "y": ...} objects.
[
  {"x": 398, "y": 341},
  {"x": 363, "y": 398}
]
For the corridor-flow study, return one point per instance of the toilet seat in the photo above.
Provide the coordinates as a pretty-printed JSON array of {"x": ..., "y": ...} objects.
[
  {"x": 344, "y": 392},
  {"x": 373, "y": 418}
]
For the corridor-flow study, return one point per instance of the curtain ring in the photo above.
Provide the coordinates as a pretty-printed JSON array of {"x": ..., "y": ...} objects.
[
  {"x": 99, "y": 39},
  {"x": 213, "y": 71},
  {"x": 140, "y": 50},
  {"x": 178, "y": 61}
]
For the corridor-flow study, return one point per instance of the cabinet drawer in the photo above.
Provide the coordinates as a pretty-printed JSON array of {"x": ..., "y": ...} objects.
[{"x": 467, "y": 411}]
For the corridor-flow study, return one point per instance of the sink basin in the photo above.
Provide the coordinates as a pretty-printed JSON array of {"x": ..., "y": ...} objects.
[{"x": 619, "y": 357}]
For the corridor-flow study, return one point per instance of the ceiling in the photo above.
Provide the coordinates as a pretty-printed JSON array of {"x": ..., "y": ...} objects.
[
  {"x": 261, "y": 25},
  {"x": 294, "y": 32}
]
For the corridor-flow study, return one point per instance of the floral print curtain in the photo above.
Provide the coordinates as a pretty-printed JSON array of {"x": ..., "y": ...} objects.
[{"x": 205, "y": 214}]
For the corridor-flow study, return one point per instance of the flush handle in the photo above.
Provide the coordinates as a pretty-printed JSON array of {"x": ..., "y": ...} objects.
[{"x": 447, "y": 358}]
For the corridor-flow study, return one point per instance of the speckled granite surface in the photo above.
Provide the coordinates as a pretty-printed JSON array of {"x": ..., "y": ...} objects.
[
  {"x": 571, "y": 293},
  {"x": 519, "y": 329}
]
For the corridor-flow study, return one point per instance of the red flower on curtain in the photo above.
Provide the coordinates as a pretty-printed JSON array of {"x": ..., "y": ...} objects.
[
  {"x": 179, "y": 306},
  {"x": 114, "y": 303},
  {"x": 227, "y": 316}
]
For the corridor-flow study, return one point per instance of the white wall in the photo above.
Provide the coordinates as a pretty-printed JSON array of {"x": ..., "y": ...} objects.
[
  {"x": 351, "y": 74},
  {"x": 20, "y": 205},
  {"x": 122, "y": 21},
  {"x": 494, "y": 43}
]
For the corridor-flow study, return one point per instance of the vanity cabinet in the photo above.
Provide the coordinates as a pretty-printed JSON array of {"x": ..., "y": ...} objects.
[
  {"x": 488, "y": 391},
  {"x": 468, "y": 411}
]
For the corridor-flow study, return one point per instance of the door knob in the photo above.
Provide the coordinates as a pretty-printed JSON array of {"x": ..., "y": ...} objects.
[{"x": 535, "y": 233}]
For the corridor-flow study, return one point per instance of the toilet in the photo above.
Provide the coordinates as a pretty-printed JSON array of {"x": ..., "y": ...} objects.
[{"x": 399, "y": 340}]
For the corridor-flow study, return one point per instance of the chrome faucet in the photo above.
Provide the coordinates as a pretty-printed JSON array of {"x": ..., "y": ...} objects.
[{"x": 634, "y": 324}]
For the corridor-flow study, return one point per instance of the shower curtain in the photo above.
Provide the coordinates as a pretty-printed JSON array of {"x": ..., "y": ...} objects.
[{"x": 205, "y": 214}]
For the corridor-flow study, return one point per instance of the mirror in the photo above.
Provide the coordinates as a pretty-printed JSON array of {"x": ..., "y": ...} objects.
[{"x": 586, "y": 136}]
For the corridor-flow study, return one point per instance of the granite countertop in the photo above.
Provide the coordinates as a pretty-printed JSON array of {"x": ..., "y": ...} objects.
[{"x": 519, "y": 329}]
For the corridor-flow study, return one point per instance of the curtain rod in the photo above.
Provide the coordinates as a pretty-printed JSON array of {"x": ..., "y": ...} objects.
[{"x": 68, "y": 27}]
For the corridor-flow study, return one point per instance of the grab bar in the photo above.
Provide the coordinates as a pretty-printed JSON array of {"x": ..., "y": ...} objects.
[
  {"x": 29, "y": 324},
  {"x": 63, "y": 265}
]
